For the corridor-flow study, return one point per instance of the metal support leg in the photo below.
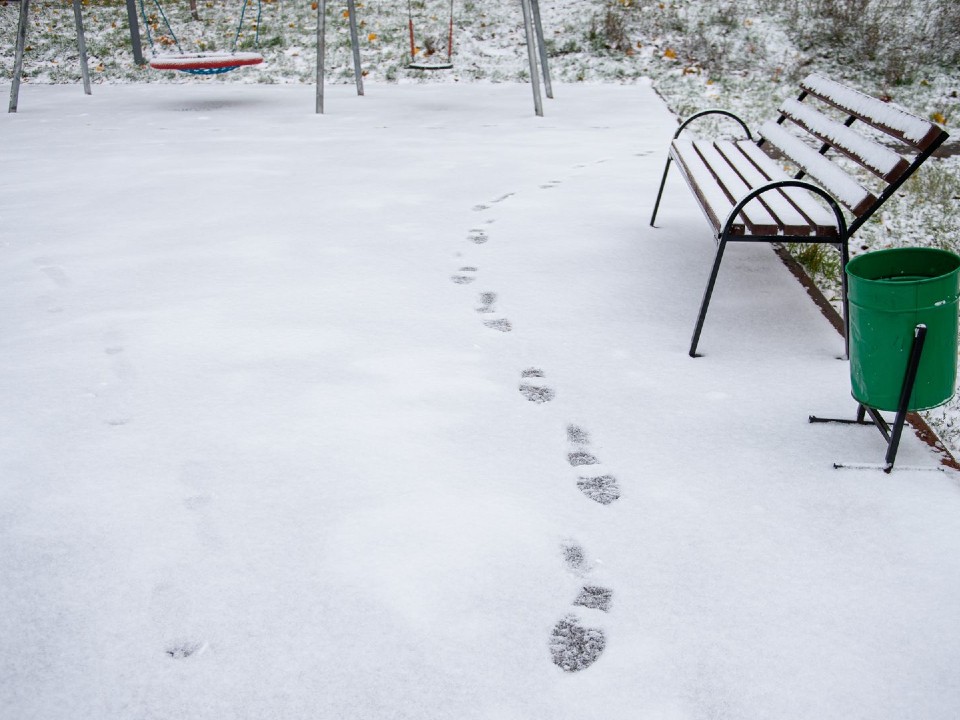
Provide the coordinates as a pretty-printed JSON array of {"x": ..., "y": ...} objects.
[
  {"x": 321, "y": 50},
  {"x": 135, "y": 32},
  {"x": 721, "y": 246},
  {"x": 18, "y": 57},
  {"x": 532, "y": 58},
  {"x": 909, "y": 380},
  {"x": 844, "y": 259},
  {"x": 81, "y": 47},
  {"x": 355, "y": 43},
  {"x": 541, "y": 44},
  {"x": 663, "y": 182},
  {"x": 891, "y": 433}
]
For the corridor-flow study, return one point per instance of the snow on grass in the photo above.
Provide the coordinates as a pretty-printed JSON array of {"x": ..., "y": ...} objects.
[{"x": 262, "y": 458}]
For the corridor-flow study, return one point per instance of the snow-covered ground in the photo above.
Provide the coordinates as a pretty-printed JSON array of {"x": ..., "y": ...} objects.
[{"x": 388, "y": 413}]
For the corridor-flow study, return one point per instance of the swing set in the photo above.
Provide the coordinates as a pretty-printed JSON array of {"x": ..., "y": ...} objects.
[
  {"x": 208, "y": 63},
  {"x": 533, "y": 28}
]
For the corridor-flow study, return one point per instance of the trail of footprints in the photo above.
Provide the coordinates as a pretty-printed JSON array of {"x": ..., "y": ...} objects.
[
  {"x": 602, "y": 488},
  {"x": 574, "y": 645},
  {"x": 171, "y": 606},
  {"x": 467, "y": 274}
]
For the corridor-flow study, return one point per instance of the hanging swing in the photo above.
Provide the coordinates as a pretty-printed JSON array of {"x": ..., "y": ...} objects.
[
  {"x": 432, "y": 56},
  {"x": 203, "y": 63}
]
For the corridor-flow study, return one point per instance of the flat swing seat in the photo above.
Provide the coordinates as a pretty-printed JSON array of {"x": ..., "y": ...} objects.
[
  {"x": 206, "y": 63},
  {"x": 430, "y": 66}
]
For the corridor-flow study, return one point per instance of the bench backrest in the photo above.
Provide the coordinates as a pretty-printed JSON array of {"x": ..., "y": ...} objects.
[{"x": 829, "y": 112}]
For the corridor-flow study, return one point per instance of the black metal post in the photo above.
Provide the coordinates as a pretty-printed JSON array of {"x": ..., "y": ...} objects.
[
  {"x": 891, "y": 434},
  {"x": 909, "y": 380},
  {"x": 663, "y": 182},
  {"x": 721, "y": 245}
]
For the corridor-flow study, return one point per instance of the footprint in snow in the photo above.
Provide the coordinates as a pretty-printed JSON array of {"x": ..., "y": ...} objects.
[
  {"x": 595, "y": 598},
  {"x": 574, "y": 647},
  {"x": 576, "y": 435},
  {"x": 501, "y": 324},
  {"x": 53, "y": 271},
  {"x": 487, "y": 299},
  {"x": 603, "y": 489},
  {"x": 531, "y": 386},
  {"x": 185, "y": 649},
  {"x": 478, "y": 236},
  {"x": 486, "y": 206},
  {"x": 464, "y": 276},
  {"x": 581, "y": 457},
  {"x": 574, "y": 558}
]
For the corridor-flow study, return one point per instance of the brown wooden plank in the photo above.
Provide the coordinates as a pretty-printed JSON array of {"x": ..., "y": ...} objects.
[
  {"x": 789, "y": 219},
  {"x": 833, "y": 178},
  {"x": 713, "y": 202},
  {"x": 758, "y": 218},
  {"x": 812, "y": 207},
  {"x": 904, "y": 126},
  {"x": 873, "y": 156}
]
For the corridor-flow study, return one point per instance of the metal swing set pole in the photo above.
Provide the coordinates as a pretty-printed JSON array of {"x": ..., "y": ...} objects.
[
  {"x": 134, "y": 24},
  {"x": 322, "y": 48},
  {"x": 21, "y": 49},
  {"x": 533, "y": 28}
]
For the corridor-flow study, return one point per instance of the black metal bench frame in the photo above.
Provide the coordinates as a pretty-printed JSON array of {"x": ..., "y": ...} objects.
[{"x": 746, "y": 198}]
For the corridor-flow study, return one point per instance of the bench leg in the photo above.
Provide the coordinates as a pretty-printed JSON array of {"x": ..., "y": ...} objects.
[
  {"x": 663, "y": 181},
  {"x": 706, "y": 297},
  {"x": 844, "y": 259}
]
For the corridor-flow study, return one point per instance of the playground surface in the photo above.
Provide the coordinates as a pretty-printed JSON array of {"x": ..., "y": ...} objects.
[{"x": 382, "y": 412}]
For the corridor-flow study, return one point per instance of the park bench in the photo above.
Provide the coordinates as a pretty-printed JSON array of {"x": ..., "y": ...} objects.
[{"x": 747, "y": 193}]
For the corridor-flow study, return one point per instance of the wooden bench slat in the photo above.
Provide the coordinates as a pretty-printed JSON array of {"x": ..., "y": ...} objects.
[
  {"x": 880, "y": 160},
  {"x": 790, "y": 220},
  {"x": 714, "y": 203},
  {"x": 832, "y": 177},
  {"x": 810, "y": 206},
  {"x": 911, "y": 129},
  {"x": 759, "y": 220}
]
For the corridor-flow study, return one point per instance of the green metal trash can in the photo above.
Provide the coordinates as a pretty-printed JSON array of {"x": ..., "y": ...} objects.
[{"x": 890, "y": 293}]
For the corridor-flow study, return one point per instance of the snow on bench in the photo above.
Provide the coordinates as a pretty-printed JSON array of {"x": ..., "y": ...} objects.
[{"x": 747, "y": 194}]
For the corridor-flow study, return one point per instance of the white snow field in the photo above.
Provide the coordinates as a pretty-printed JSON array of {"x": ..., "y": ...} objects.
[{"x": 387, "y": 413}]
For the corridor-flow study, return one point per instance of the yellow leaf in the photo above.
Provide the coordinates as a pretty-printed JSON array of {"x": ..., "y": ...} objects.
[
  {"x": 346, "y": 13},
  {"x": 372, "y": 37},
  {"x": 938, "y": 118},
  {"x": 670, "y": 53}
]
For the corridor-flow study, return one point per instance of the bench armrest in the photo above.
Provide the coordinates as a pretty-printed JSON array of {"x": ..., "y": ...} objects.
[{"x": 714, "y": 111}]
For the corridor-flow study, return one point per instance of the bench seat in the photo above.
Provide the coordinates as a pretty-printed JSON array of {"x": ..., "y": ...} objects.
[{"x": 721, "y": 172}]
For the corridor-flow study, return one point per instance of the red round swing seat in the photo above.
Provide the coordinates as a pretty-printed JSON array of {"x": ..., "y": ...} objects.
[{"x": 205, "y": 61}]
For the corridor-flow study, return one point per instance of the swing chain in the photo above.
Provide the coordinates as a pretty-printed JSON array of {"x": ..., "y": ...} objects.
[{"x": 176, "y": 40}]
